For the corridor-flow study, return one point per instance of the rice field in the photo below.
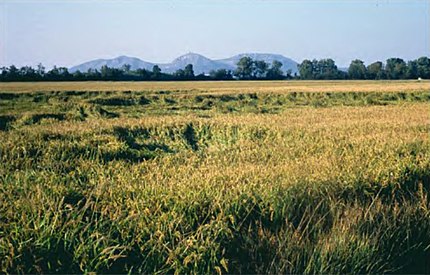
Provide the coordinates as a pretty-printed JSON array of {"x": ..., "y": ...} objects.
[{"x": 215, "y": 177}]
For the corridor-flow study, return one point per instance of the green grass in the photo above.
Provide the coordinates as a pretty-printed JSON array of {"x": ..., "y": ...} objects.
[
  {"x": 79, "y": 105},
  {"x": 191, "y": 182}
]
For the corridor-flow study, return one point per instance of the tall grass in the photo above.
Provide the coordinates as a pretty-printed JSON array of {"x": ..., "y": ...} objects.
[{"x": 339, "y": 188}]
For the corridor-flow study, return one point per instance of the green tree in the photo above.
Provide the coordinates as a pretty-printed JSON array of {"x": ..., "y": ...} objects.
[
  {"x": 357, "y": 70},
  {"x": 306, "y": 69},
  {"x": 13, "y": 73},
  {"x": 315, "y": 69},
  {"x": 327, "y": 69},
  {"x": 143, "y": 74},
  {"x": 156, "y": 72},
  {"x": 244, "y": 68},
  {"x": 375, "y": 70},
  {"x": 189, "y": 72},
  {"x": 64, "y": 73},
  {"x": 27, "y": 73},
  {"x": 53, "y": 74},
  {"x": 275, "y": 72},
  {"x": 106, "y": 72},
  {"x": 4, "y": 73},
  {"x": 180, "y": 74},
  {"x": 260, "y": 69},
  {"x": 78, "y": 75},
  {"x": 126, "y": 68},
  {"x": 423, "y": 67},
  {"x": 412, "y": 69},
  {"x": 221, "y": 74},
  {"x": 40, "y": 69},
  {"x": 396, "y": 68}
]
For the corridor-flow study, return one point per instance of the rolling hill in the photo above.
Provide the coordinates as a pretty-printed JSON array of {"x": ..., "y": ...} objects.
[{"x": 201, "y": 64}]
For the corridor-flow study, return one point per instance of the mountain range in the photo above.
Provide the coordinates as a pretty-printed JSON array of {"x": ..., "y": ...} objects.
[{"x": 201, "y": 64}]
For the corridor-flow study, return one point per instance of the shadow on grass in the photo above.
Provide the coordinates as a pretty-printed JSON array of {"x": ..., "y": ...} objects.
[
  {"x": 135, "y": 151},
  {"x": 5, "y": 122}
]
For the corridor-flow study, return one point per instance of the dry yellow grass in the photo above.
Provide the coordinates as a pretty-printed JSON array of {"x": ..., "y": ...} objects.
[
  {"x": 224, "y": 86},
  {"x": 258, "y": 183},
  {"x": 417, "y": 114}
]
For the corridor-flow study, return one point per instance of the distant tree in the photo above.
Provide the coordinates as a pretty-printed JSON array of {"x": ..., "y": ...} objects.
[
  {"x": 375, "y": 70},
  {"x": 319, "y": 69},
  {"x": 93, "y": 74},
  {"x": 202, "y": 77},
  {"x": 40, "y": 69},
  {"x": 315, "y": 69},
  {"x": 156, "y": 72},
  {"x": 423, "y": 67},
  {"x": 179, "y": 74},
  {"x": 64, "y": 74},
  {"x": 342, "y": 75},
  {"x": 143, "y": 74},
  {"x": 189, "y": 72},
  {"x": 106, "y": 72},
  {"x": 357, "y": 70},
  {"x": 396, "y": 68},
  {"x": 126, "y": 68},
  {"x": 3, "y": 73},
  {"x": 58, "y": 74},
  {"x": 221, "y": 74},
  {"x": 275, "y": 72},
  {"x": 27, "y": 73},
  {"x": 53, "y": 74},
  {"x": 327, "y": 69},
  {"x": 412, "y": 69},
  {"x": 306, "y": 69},
  {"x": 13, "y": 73},
  {"x": 78, "y": 76},
  {"x": 244, "y": 68},
  {"x": 260, "y": 69}
]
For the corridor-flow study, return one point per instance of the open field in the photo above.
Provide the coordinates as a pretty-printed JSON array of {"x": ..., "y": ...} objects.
[
  {"x": 226, "y": 86},
  {"x": 215, "y": 177}
]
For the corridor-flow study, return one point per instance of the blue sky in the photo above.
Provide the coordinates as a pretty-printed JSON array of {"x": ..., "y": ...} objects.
[{"x": 67, "y": 33}]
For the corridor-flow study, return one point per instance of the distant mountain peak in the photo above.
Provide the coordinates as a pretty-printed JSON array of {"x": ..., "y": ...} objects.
[
  {"x": 122, "y": 57},
  {"x": 117, "y": 62},
  {"x": 201, "y": 64},
  {"x": 258, "y": 54},
  {"x": 190, "y": 56}
]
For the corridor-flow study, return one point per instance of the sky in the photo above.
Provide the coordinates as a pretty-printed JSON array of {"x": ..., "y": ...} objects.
[{"x": 67, "y": 33}]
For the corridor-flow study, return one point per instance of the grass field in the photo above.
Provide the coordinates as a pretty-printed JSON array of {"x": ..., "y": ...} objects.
[
  {"x": 225, "y": 86},
  {"x": 215, "y": 177}
]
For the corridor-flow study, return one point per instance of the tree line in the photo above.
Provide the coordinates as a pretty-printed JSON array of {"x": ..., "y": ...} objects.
[
  {"x": 247, "y": 69},
  {"x": 394, "y": 68}
]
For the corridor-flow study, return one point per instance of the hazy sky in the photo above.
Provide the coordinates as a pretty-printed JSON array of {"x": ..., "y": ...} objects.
[{"x": 67, "y": 33}]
